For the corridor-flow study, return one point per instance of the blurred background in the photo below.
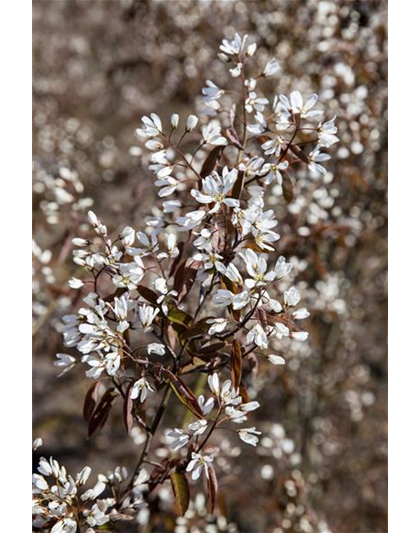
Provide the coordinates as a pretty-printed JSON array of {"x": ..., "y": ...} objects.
[{"x": 98, "y": 67}]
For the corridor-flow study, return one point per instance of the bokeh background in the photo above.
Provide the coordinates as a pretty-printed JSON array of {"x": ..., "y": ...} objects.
[{"x": 99, "y": 65}]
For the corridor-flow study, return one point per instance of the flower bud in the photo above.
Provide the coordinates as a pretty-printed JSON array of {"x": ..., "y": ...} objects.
[
  {"x": 192, "y": 122},
  {"x": 174, "y": 120}
]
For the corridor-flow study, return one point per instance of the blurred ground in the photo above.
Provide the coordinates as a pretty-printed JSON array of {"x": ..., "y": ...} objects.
[{"x": 98, "y": 67}]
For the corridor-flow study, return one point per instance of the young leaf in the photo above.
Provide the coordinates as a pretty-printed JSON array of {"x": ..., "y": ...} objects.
[
  {"x": 211, "y": 161},
  {"x": 90, "y": 400},
  {"x": 177, "y": 316},
  {"x": 239, "y": 183},
  {"x": 181, "y": 491},
  {"x": 212, "y": 487},
  {"x": 101, "y": 412},
  {"x": 147, "y": 294},
  {"x": 236, "y": 364},
  {"x": 299, "y": 153},
  {"x": 287, "y": 188},
  {"x": 184, "y": 394},
  {"x": 184, "y": 278},
  {"x": 128, "y": 408}
]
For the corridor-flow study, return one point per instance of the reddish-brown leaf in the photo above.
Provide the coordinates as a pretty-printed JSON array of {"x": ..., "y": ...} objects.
[
  {"x": 177, "y": 259},
  {"x": 183, "y": 393},
  {"x": 212, "y": 487},
  {"x": 299, "y": 153},
  {"x": 236, "y": 364},
  {"x": 211, "y": 161},
  {"x": 128, "y": 407},
  {"x": 90, "y": 400},
  {"x": 184, "y": 278},
  {"x": 239, "y": 183},
  {"x": 233, "y": 138},
  {"x": 147, "y": 294},
  {"x": 287, "y": 188},
  {"x": 101, "y": 411},
  {"x": 181, "y": 491}
]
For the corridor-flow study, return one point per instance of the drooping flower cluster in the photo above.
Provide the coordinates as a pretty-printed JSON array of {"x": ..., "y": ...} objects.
[
  {"x": 63, "y": 505},
  {"x": 199, "y": 289}
]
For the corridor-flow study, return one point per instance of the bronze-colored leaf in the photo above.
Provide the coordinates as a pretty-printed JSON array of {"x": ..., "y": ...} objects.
[
  {"x": 236, "y": 364},
  {"x": 238, "y": 185},
  {"x": 90, "y": 400},
  {"x": 212, "y": 487},
  {"x": 177, "y": 259},
  {"x": 128, "y": 407},
  {"x": 181, "y": 492},
  {"x": 147, "y": 294},
  {"x": 232, "y": 135},
  {"x": 183, "y": 393},
  {"x": 299, "y": 153},
  {"x": 101, "y": 411},
  {"x": 211, "y": 161},
  {"x": 184, "y": 278},
  {"x": 287, "y": 188}
]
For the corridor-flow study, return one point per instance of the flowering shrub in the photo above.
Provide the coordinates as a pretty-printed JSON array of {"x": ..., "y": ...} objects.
[{"x": 176, "y": 312}]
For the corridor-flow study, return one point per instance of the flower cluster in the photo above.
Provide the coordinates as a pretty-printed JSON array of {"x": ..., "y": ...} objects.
[
  {"x": 63, "y": 505},
  {"x": 200, "y": 289}
]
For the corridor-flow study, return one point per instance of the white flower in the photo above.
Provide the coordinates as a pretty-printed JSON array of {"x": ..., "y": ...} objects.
[
  {"x": 271, "y": 68},
  {"x": 64, "y": 361},
  {"x": 179, "y": 438},
  {"x": 228, "y": 395},
  {"x": 192, "y": 122},
  {"x": 152, "y": 126},
  {"x": 197, "y": 463},
  {"x": 273, "y": 171},
  {"x": 211, "y": 135},
  {"x": 304, "y": 109},
  {"x": 273, "y": 146},
  {"x": 83, "y": 476},
  {"x": 93, "y": 219},
  {"x": 316, "y": 157},
  {"x": 300, "y": 314},
  {"x": 282, "y": 268},
  {"x": 255, "y": 103},
  {"x": 249, "y": 435},
  {"x": 216, "y": 189},
  {"x": 218, "y": 325},
  {"x": 129, "y": 276},
  {"x": 281, "y": 330},
  {"x": 65, "y": 525},
  {"x": 127, "y": 236},
  {"x": 260, "y": 126},
  {"x": 206, "y": 405},
  {"x": 250, "y": 51},
  {"x": 147, "y": 315},
  {"x": 93, "y": 493},
  {"x": 224, "y": 298},
  {"x": 174, "y": 120},
  {"x": 190, "y": 220},
  {"x": 198, "y": 427},
  {"x": 211, "y": 92},
  {"x": 326, "y": 133},
  {"x": 140, "y": 388},
  {"x": 81, "y": 242},
  {"x": 258, "y": 336},
  {"x": 291, "y": 297},
  {"x": 38, "y": 442},
  {"x": 299, "y": 335},
  {"x": 230, "y": 272},
  {"x": 214, "y": 384},
  {"x": 233, "y": 47},
  {"x": 276, "y": 359},
  {"x": 156, "y": 348},
  {"x": 236, "y": 71},
  {"x": 75, "y": 283}
]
